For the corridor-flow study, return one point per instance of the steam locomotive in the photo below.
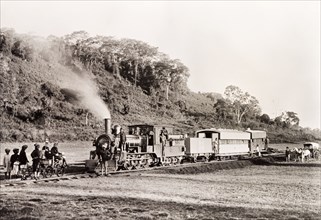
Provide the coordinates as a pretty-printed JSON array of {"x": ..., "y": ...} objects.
[{"x": 144, "y": 146}]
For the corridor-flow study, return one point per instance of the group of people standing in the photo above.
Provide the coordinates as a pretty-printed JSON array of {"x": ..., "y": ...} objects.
[
  {"x": 15, "y": 163},
  {"x": 12, "y": 164}
]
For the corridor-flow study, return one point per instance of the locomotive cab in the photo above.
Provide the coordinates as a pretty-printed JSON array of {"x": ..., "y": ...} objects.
[{"x": 171, "y": 152}]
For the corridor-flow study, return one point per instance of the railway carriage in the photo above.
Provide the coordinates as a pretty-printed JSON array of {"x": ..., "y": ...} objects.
[
  {"x": 258, "y": 139},
  {"x": 213, "y": 143}
]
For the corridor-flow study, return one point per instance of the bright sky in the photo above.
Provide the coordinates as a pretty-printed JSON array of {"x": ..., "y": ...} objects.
[{"x": 270, "y": 49}]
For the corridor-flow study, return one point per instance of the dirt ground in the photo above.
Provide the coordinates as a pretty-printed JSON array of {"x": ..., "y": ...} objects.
[{"x": 265, "y": 192}]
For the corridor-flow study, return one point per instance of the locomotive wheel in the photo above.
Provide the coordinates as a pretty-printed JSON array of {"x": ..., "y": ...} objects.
[
  {"x": 134, "y": 164},
  {"x": 144, "y": 163},
  {"x": 175, "y": 160},
  {"x": 129, "y": 167},
  {"x": 167, "y": 161},
  {"x": 125, "y": 166}
]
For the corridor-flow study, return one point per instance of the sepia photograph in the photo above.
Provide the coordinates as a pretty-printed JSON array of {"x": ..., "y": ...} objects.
[{"x": 191, "y": 110}]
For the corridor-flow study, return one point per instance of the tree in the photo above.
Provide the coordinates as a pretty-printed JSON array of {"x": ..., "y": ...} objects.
[
  {"x": 265, "y": 118},
  {"x": 242, "y": 102},
  {"x": 23, "y": 50},
  {"x": 223, "y": 111},
  {"x": 6, "y": 40},
  {"x": 278, "y": 121},
  {"x": 290, "y": 118}
]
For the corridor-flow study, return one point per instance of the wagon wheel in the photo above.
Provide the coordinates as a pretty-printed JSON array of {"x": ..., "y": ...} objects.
[
  {"x": 201, "y": 159},
  {"x": 317, "y": 155},
  {"x": 206, "y": 159}
]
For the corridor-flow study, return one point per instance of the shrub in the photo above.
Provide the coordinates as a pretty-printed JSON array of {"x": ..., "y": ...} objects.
[
  {"x": 22, "y": 50},
  {"x": 4, "y": 134},
  {"x": 17, "y": 135}
]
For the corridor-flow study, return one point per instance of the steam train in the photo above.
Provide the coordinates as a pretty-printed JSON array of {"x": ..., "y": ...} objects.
[{"x": 144, "y": 147}]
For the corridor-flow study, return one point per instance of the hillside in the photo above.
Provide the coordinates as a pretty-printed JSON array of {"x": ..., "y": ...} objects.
[{"x": 58, "y": 88}]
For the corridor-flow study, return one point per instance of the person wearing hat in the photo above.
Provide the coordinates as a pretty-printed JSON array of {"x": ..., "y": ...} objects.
[
  {"x": 36, "y": 160},
  {"x": 14, "y": 161},
  {"x": 23, "y": 156},
  {"x": 47, "y": 143},
  {"x": 54, "y": 149},
  {"x": 105, "y": 156},
  {"x": 122, "y": 139},
  {"x": 163, "y": 139},
  {"x": 6, "y": 164}
]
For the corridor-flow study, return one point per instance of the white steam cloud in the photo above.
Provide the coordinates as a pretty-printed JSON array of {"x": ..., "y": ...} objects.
[{"x": 87, "y": 92}]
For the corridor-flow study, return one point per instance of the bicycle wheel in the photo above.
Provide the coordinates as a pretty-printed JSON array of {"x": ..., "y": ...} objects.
[
  {"x": 49, "y": 171},
  {"x": 60, "y": 171},
  {"x": 23, "y": 174},
  {"x": 42, "y": 172}
]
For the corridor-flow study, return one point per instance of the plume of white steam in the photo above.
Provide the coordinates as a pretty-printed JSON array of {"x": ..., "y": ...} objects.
[
  {"x": 81, "y": 82},
  {"x": 87, "y": 92}
]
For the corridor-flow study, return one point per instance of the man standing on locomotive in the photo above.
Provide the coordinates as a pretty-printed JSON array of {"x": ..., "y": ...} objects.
[
  {"x": 164, "y": 136},
  {"x": 117, "y": 148},
  {"x": 163, "y": 139},
  {"x": 122, "y": 140}
]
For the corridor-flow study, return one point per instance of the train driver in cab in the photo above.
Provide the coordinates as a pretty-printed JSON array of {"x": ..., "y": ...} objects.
[{"x": 163, "y": 136}]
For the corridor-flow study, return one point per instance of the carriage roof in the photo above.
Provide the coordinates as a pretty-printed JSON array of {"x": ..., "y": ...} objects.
[
  {"x": 255, "y": 134},
  {"x": 227, "y": 134},
  {"x": 312, "y": 144},
  {"x": 152, "y": 125}
]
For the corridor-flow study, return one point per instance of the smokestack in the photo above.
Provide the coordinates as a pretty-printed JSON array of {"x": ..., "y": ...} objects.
[{"x": 107, "y": 125}]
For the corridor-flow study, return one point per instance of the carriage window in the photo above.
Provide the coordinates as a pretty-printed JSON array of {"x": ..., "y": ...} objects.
[{"x": 208, "y": 135}]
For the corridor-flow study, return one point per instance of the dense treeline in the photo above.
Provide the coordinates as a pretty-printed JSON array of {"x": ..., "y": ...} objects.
[{"x": 139, "y": 83}]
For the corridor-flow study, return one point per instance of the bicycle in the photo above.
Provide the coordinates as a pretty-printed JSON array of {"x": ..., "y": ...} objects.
[
  {"x": 25, "y": 171},
  {"x": 58, "y": 167},
  {"x": 45, "y": 168}
]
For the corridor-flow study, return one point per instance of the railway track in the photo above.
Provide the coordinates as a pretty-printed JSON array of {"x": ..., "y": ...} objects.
[{"x": 201, "y": 166}]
